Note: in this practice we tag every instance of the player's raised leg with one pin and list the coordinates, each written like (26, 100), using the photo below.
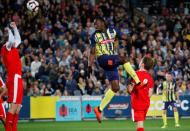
(127, 66)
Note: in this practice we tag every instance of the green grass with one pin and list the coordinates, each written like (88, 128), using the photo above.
(107, 125)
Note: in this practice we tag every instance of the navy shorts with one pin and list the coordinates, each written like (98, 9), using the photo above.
(172, 104)
(110, 63)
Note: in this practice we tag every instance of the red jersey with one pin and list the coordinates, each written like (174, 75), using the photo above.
(11, 60)
(140, 99)
(1, 84)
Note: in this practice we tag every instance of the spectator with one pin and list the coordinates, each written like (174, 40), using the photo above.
(71, 85)
(97, 90)
(35, 66)
(26, 62)
(187, 90)
(122, 85)
(58, 93)
(82, 86)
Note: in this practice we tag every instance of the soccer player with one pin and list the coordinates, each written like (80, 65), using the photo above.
(12, 62)
(3, 90)
(169, 90)
(140, 97)
(103, 46)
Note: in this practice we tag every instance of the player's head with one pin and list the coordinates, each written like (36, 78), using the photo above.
(146, 63)
(169, 77)
(99, 23)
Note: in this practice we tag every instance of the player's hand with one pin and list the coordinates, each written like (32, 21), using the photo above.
(130, 88)
(178, 101)
(13, 24)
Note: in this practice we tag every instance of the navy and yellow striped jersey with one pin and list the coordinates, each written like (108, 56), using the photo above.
(169, 90)
(104, 42)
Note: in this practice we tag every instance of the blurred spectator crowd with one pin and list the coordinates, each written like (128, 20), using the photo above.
(55, 45)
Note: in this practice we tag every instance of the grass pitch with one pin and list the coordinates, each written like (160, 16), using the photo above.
(107, 125)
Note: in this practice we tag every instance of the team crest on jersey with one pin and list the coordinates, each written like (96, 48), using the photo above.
(112, 35)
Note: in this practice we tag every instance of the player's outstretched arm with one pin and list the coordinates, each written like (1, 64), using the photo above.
(177, 95)
(10, 39)
(91, 61)
(17, 38)
(92, 56)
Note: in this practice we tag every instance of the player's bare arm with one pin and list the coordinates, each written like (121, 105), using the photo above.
(159, 90)
(92, 56)
(150, 92)
(3, 90)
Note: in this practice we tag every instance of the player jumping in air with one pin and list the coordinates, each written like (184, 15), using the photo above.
(140, 97)
(12, 62)
(103, 46)
(169, 90)
(3, 90)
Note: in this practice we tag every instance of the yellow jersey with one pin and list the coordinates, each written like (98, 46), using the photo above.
(169, 90)
(105, 42)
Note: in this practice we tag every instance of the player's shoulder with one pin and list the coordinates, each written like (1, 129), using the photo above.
(93, 35)
(144, 74)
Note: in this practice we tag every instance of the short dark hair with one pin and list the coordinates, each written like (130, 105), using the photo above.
(169, 73)
(148, 62)
(100, 19)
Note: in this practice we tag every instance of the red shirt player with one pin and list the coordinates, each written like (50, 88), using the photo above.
(140, 97)
(3, 90)
(12, 62)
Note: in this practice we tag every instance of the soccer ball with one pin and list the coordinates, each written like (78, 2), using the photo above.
(33, 5)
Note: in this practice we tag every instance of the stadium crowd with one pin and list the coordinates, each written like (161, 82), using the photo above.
(55, 45)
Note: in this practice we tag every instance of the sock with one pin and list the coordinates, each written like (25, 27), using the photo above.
(176, 115)
(164, 117)
(140, 129)
(130, 70)
(15, 119)
(9, 121)
(108, 96)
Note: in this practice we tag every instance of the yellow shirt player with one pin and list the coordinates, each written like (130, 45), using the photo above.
(169, 94)
(103, 46)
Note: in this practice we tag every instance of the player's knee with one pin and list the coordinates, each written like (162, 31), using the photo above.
(175, 109)
(122, 60)
(115, 89)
